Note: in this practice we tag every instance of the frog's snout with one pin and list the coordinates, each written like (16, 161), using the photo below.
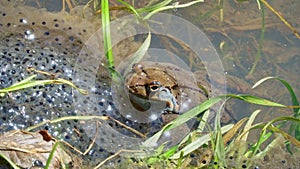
(162, 93)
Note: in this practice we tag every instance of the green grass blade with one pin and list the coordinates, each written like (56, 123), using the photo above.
(256, 100)
(51, 155)
(273, 144)
(15, 86)
(12, 164)
(154, 7)
(170, 152)
(106, 33)
(139, 54)
(127, 5)
(28, 82)
(24, 81)
(288, 87)
(282, 118)
(219, 151)
(203, 121)
(171, 7)
(195, 112)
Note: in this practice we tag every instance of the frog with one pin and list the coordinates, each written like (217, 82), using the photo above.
(161, 81)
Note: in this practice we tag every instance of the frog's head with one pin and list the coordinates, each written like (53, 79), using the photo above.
(153, 84)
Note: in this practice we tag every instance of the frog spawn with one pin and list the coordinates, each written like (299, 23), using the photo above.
(52, 43)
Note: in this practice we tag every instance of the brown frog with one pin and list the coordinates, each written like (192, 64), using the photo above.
(176, 87)
(167, 83)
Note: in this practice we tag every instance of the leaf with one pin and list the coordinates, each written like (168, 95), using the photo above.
(21, 147)
(248, 125)
(288, 87)
(219, 154)
(288, 137)
(183, 118)
(24, 81)
(229, 135)
(256, 100)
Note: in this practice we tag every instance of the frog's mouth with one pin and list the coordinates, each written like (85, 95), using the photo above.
(158, 97)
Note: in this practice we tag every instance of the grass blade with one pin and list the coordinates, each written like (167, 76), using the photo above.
(288, 137)
(171, 7)
(288, 87)
(130, 7)
(229, 135)
(139, 54)
(28, 82)
(248, 125)
(256, 100)
(12, 164)
(154, 7)
(51, 155)
(106, 33)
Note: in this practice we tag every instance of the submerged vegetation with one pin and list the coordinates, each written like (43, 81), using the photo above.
(222, 147)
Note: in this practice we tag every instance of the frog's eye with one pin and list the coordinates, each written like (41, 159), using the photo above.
(154, 86)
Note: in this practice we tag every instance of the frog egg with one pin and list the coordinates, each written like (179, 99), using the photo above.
(167, 134)
(153, 117)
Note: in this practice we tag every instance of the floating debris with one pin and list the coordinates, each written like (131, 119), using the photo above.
(32, 150)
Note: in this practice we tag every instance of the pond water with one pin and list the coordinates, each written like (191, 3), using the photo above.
(235, 33)
(237, 39)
